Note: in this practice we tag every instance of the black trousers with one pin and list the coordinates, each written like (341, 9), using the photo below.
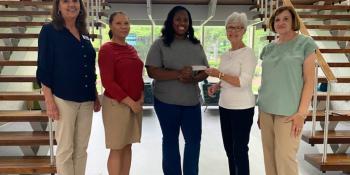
(235, 129)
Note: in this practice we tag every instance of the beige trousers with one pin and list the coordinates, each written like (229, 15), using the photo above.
(280, 148)
(72, 132)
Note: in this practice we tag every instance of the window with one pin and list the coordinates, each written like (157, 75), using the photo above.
(215, 44)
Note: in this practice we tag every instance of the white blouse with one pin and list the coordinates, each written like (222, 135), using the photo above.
(241, 63)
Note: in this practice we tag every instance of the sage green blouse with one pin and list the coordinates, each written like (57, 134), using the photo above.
(282, 75)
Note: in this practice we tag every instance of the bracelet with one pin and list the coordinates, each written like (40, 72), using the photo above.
(221, 75)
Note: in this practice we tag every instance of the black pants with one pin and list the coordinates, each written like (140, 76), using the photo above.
(235, 129)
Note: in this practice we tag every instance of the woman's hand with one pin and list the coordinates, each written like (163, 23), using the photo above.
(213, 72)
(136, 107)
(186, 72)
(51, 109)
(213, 88)
(297, 124)
(185, 75)
(97, 105)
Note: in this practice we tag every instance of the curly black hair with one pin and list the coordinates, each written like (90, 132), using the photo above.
(168, 33)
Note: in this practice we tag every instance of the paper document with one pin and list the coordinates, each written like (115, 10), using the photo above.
(198, 67)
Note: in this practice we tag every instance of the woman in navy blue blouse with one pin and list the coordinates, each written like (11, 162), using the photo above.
(66, 72)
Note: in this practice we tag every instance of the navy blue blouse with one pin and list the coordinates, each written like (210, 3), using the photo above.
(66, 65)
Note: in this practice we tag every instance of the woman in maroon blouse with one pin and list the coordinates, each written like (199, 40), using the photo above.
(121, 74)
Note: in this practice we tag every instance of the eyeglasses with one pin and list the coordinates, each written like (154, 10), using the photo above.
(232, 28)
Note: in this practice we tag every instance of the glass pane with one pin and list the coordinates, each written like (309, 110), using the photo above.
(215, 44)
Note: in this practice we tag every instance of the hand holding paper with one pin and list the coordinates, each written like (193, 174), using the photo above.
(213, 72)
(198, 67)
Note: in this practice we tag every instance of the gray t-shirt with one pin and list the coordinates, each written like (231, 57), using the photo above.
(180, 53)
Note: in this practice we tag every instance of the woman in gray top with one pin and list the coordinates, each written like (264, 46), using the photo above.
(176, 90)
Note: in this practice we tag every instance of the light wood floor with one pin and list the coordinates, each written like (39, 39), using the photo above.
(147, 155)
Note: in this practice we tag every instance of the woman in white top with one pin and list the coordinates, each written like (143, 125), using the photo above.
(236, 103)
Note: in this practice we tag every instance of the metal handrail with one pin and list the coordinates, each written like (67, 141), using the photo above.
(149, 14)
(314, 102)
(52, 161)
(265, 12)
(211, 15)
(326, 124)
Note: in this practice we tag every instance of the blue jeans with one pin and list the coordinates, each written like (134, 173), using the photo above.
(171, 119)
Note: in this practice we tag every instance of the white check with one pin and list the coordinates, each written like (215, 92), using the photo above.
(198, 67)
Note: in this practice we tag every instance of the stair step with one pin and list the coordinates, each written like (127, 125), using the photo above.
(319, 38)
(17, 78)
(329, 27)
(34, 3)
(19, 96)
(334, 137)
(340, 79)
(334, 96)
(323, 7)
(303, 2)
(23, 116)
(26, 3)
(17, 63)
(31, 35)
(24, 13)
(18, 35)
(338, 64)
(335, 162)
(335, 50)
(334, 116)
(4, 24)
(13, 13)
(24, 138)
(26, 165)
(9, 48)
(21, 24)
(316, 16)
(323, 27)
(25, 49)
(312, 7)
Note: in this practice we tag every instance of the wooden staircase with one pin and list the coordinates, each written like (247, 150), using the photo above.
(325, 27)
(326, 13)
(26, 165)
(29, 163)
(316, 38)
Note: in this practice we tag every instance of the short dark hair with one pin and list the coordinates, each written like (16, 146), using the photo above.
(295, 19)
(58, 21)
(168, 33)
(110, 20)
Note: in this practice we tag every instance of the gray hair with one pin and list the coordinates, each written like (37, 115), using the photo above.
(236, 17)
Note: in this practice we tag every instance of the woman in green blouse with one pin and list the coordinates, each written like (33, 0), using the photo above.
(285, 92)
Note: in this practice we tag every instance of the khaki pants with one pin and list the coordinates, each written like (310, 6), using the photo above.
(280, 148)
(72, 132)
